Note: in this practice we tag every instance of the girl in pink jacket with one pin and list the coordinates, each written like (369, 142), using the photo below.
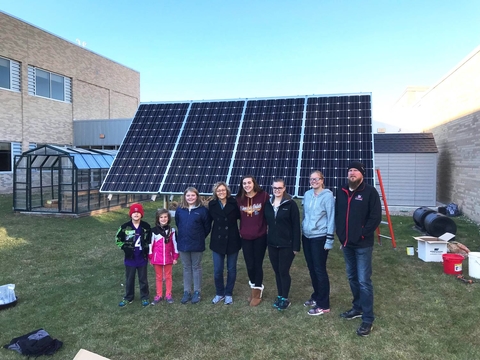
(163, 254)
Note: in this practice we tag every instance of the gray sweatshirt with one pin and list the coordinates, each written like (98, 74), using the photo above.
(319, 215)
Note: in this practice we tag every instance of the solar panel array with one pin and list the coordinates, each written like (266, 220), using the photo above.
(171, 146)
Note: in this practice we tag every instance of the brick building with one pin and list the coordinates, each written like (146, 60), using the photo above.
(46, 83)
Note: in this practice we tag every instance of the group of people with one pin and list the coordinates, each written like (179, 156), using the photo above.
(265, 221)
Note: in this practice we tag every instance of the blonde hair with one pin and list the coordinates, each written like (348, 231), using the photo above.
(320, 175)
(184, 201)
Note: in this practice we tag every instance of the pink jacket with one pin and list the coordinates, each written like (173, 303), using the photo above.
(161, 253)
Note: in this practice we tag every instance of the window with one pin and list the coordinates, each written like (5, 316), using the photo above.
(9, 74)
(46, 84)
(5, 156)
(8, 150)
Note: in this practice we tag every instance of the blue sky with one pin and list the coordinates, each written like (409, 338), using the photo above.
(220, 49)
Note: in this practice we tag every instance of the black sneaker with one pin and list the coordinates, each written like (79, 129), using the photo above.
(284, 304)
(196, 297)
(351, 314)
(277, 302)
(365, 329)
(185, 298)
(310, 303)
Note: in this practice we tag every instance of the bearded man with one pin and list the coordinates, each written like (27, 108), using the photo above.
(358, 213)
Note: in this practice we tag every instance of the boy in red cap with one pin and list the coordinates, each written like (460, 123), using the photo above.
(133, 238)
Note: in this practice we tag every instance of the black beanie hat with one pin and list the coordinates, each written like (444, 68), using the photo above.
(357, 165)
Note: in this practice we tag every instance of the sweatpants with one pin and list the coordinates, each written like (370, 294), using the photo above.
(192, 269)
(130, 282)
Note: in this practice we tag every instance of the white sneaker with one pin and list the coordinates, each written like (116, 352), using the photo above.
(217, 299)
(228, 300)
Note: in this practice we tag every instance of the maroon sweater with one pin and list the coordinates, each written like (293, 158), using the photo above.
(252, 220)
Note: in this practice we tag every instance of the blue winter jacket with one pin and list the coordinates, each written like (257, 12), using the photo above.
(193, 226)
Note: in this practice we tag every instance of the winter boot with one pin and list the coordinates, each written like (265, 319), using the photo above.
(257, 293)
(252, 285)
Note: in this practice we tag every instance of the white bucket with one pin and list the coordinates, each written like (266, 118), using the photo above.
(474, 264)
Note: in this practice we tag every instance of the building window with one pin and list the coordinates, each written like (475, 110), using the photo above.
(5, 157)
(9, 74)
(46, 84)
(8, 151)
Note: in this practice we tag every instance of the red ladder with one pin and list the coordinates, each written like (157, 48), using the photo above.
(387, 213)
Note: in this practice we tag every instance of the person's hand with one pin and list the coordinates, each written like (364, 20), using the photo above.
(295, 252)
(174, 262)
(328, 245)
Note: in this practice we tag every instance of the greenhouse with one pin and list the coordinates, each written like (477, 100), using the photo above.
(66, 180)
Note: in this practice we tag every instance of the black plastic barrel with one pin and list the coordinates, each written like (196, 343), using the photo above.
(419, 216)
(437, 224)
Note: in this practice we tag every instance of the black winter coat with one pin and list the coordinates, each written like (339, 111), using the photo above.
(126, 241)
(284, 229)
(357, 215)
(225, 238)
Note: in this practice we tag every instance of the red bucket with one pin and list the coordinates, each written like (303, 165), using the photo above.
(452, 264)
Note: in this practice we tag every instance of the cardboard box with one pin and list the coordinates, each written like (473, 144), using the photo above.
(431, 248)
(88, 355)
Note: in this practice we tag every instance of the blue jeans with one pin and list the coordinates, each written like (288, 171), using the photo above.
(316, 258)
(218, 266)
(358, 262)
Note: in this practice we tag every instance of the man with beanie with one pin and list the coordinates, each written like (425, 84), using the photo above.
(133, 238)
(358, 213)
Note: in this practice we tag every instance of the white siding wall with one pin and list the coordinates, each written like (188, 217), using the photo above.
(408, 179)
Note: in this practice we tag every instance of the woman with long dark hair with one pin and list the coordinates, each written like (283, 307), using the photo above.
(251, 200)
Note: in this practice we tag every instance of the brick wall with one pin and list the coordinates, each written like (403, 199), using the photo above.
(458, 181)
(451, 111)
(101, 88)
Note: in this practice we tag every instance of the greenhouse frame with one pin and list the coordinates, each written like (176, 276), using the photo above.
(66, 180)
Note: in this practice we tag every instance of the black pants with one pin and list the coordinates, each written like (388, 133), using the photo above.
(281, 259)
(254, 253)
(130, 282)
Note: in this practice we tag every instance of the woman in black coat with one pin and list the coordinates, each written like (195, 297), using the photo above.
(224, 241)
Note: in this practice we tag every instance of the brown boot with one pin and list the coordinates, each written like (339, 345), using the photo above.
(251, 296)
(252, 285)
(256, 296)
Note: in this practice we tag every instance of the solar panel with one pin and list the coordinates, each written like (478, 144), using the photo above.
(269, 142)
(145, 153)
(171, 146)
(205, 148)
(338, 130)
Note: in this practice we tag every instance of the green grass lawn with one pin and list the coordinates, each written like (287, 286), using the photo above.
(69, 275)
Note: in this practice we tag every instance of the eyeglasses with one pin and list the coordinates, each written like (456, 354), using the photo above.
(277, 188)
(315, 179)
